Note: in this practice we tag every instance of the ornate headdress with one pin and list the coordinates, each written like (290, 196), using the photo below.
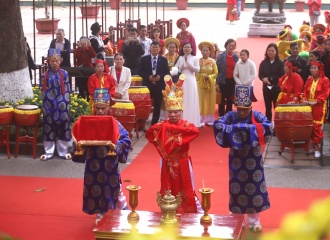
(173, 93)
(327, 16)
(320, 66)
(307, 34)
(305, 27)
(169, 40)
(243, 96)
(319, 26)
(54, 53)
(290, 65)
(283, 33)
(206, 44)
(181, 20)
(106, 67)
(287, 26)
(102, 96)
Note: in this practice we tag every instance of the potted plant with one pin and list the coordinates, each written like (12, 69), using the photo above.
(115, 4)
(299, 5)
(89, 10)
(181, 4)
(46, 25)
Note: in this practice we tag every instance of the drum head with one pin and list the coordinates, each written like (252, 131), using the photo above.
(3, 107)
(293, 105)
(122, 101)
(27, 107)
(132, 87)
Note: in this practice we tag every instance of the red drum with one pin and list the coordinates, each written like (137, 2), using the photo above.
(293, 125)
(140, 96)
(293, 122)
(136, 80)
(124, 112)
(6, 115)
(26, 115)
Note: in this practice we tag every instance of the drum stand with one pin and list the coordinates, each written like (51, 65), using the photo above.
(295, 144)
(4, 138)
(139, 124)
(27, 139)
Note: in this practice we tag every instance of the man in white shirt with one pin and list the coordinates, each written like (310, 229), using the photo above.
(146, 42)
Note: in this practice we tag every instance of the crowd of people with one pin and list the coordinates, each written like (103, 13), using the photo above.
(185, 87)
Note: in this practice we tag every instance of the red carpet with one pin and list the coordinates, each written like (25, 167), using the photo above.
(52, 214)
(56, 213)
(210, 164)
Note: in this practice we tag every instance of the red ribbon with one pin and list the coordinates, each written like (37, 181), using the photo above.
(259, 130)
(289, 64)
(61, 81)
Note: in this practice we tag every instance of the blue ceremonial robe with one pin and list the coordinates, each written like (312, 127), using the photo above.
(247, 185)
(56, 117)
(102, 180)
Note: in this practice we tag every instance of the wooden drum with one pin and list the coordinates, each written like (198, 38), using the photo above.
(140, 96)
(136, 80)
(6, 115)
(293, 122)
(124, 112)
(26, 115)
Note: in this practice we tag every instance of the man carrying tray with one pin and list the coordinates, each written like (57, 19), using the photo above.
(98, 136)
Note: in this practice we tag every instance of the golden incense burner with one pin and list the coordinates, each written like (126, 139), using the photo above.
(206, 204)
(168, 205)
(133, 202)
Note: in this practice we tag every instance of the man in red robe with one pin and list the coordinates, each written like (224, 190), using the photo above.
(171, 139)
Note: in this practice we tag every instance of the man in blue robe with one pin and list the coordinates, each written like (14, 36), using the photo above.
(102, 182)
(55, 88)
(244, 131)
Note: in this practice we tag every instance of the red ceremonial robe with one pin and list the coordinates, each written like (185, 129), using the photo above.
(291, 86)
(319, 110)
(172, 143)
(94, 82)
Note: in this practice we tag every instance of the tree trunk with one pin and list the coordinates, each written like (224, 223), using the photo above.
(14, 74)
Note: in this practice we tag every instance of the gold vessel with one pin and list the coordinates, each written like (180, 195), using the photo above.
(168, 205)
(133, 202)
(206, 204)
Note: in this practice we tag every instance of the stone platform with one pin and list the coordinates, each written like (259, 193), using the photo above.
(265, 29)
(269, 17)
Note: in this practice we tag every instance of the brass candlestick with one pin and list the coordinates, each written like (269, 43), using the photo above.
(206, 204)
(133, 201)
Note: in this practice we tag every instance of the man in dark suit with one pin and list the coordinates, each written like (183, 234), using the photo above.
(64, 45)
(133, 50)
(152, 69)
(302, 69)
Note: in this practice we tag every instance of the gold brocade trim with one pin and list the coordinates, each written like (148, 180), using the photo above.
(285, 94)
(7, 109)
(293, 109)
(27, 112)
(136, 79)
(123, 105)
(138, 90)
(318, 122)
(179, 155)
(323, 114)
